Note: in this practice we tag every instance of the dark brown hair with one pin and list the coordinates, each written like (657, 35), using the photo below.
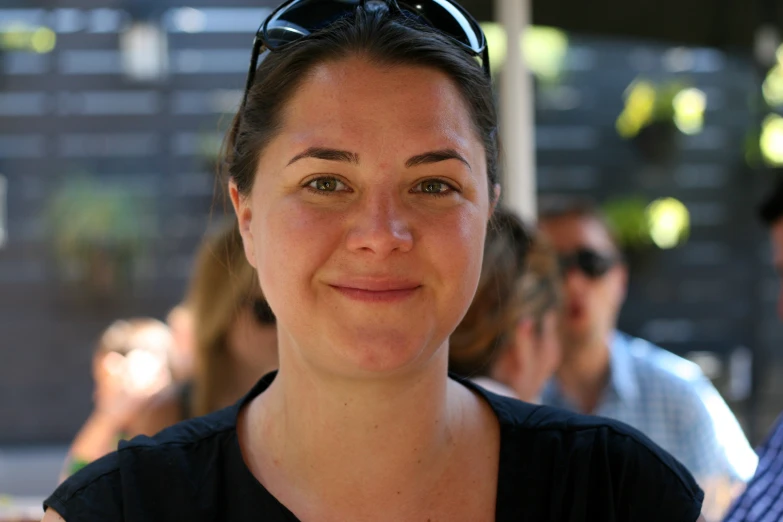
(555, 206)
(382, 38)
(520, 278)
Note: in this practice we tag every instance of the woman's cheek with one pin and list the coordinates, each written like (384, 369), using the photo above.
(299, 234)
(460, 250)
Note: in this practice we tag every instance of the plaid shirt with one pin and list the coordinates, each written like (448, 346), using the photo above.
(671, 401)
(763, 498)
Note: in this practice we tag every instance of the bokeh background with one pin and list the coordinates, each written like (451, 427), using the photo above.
(111, 115)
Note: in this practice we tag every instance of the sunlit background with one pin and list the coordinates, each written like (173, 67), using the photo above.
(111, 117)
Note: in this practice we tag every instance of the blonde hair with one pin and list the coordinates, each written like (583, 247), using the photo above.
(520, 278)
(222, 282)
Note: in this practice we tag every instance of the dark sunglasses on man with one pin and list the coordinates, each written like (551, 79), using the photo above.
(297, 19)
(589, 262)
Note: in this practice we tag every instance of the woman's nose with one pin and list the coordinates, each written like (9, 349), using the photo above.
(381, 227)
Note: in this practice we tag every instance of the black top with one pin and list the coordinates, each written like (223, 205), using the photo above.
(554, 466)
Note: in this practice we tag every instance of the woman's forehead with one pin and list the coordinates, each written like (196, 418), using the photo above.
(353, 97)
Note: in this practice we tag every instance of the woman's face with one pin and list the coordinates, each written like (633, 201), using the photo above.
(367, 217)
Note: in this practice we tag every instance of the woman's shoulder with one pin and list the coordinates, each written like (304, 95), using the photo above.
(521, 420)
(549, 425)
(92, 493)
(170, 466)
(552, 453)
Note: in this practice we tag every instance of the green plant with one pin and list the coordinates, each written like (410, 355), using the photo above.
(97, 231)
(647, 104)
(627, 217)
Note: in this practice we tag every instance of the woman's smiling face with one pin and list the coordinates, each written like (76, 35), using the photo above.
(367, 217)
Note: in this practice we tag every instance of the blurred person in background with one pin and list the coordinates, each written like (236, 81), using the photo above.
(508, 341)
(608, 373)
(762, 500)
(234, 336)
(131, 363)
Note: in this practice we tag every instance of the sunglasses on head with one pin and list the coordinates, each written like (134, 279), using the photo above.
(298, 19)
(591, 263)
(263, 315)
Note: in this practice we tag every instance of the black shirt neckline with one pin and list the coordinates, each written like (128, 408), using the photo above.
(553, 465)
(504, 416)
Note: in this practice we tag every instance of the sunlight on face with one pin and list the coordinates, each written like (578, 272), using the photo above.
(367, 217)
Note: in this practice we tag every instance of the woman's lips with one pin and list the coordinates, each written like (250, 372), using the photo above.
(377, 291)
(575, 311)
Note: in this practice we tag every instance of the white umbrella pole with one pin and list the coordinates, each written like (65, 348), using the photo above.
(517, 130)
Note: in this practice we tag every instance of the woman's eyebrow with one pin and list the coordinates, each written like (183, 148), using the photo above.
(328, 154)
(435, 156)
(324, 153)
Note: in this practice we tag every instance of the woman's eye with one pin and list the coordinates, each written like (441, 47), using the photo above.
(326, 185)
(434, 186)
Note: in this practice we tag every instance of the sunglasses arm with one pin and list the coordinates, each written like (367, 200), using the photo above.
(485, 61)
(258, 44)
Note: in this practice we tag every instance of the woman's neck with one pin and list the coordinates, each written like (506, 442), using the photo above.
(354, 440)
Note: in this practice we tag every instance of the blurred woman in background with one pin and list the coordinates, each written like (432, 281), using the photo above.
(508, 340)
(234, 336)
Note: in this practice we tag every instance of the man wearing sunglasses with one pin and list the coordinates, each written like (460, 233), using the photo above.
(762, 500)
(608, 373)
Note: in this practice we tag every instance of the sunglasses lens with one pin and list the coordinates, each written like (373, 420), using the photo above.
(589, 262)
(303, 18)
(593, 264)
(263, 313)
(451, 20)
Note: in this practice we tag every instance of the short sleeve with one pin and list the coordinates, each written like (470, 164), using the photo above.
(557, 465)
(649, 483)
(93, 494)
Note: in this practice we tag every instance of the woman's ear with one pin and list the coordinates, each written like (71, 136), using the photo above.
(494, 198)
(244, 215)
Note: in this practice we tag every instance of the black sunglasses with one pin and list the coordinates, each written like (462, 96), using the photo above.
(591, 263)
(262, 313)
(298, 19)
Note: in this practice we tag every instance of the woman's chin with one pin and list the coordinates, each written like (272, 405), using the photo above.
(383, 352)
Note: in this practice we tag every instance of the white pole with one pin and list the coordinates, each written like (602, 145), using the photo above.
(517, 129)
